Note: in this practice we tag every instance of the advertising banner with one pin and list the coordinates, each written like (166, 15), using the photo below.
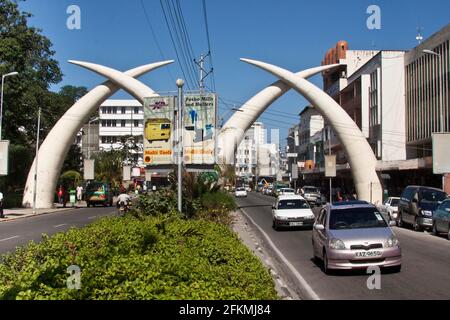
(158, 130)
(89, 167)
(199, 134)
(330, 166)
(441, 147)
(126, 173)
(4, 148)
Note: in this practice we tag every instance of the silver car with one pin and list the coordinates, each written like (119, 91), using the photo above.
(354, 235)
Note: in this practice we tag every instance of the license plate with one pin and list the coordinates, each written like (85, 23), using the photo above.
(295, 224)
(368, 254)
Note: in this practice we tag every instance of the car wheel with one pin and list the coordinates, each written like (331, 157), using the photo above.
(434, 231)
(274, 225)
(416, 225)
(448, 233)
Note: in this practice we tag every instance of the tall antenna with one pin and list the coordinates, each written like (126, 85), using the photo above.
(419, 37)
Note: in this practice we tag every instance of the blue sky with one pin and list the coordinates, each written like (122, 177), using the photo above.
(294, 34)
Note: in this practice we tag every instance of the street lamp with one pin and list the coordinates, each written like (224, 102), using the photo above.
(1, 99)
(180, 84)
(441, 95)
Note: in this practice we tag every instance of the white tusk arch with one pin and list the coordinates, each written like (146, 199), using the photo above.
(233, 131)
(53, 150)
(360, 155)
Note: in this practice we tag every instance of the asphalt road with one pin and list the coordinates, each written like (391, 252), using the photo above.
(19, 232)
(425, 270)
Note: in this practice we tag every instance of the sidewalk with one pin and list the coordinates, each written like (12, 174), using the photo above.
(19, 213)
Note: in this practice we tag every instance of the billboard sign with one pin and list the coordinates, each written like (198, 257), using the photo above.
(89, 165)
(330, 166)
(441, 147)
(4, 148)
(126, 173)
(158, 130)
(199, 131)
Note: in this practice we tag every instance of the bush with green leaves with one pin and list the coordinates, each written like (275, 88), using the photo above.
(163, 257)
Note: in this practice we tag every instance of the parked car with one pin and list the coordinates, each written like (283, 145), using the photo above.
(284, 191)
(269, 191)
(311, 194)
(240, 192)
(390, 208)
(417, 204)
(291, 211)
(354, 235)
(98, 193)
(441, 219)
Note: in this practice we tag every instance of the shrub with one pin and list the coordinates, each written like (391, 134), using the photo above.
(126, 258)
(218, 200)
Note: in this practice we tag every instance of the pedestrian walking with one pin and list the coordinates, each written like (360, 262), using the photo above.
(79, 193)
(1, 206)
(61, 195)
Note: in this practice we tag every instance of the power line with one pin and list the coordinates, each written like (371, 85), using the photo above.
(155, 39)
(205, 16)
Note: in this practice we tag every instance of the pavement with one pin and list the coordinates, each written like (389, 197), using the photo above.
(425, 265)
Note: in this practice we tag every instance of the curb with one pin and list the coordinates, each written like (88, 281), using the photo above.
(8, 219)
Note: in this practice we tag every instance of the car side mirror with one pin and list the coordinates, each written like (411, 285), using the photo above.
(319, 227)
(392, 223)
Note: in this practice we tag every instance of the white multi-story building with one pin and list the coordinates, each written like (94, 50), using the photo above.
(118, 119)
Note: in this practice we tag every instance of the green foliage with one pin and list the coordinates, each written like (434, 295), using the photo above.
(126, 258)
(218, 200)
(70, 179)
(108, 166)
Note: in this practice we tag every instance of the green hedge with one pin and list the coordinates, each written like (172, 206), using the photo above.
(127, 258)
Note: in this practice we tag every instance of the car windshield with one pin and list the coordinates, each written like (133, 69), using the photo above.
(394, 202)
(293, 204)
(94, 186)
(356, 218)
(310, 190)
(240, 189)
(433, 196)
(287, 190)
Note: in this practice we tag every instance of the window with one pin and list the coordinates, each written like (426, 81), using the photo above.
(109, 109)
(114, 110)
(103, 110)
(293, 204)
(103, 123)
(122, 123)
(373, 99)
(114, 123)
(103, 139)
(123, 110)
(136, 123)
(356, 218)
(136, 110)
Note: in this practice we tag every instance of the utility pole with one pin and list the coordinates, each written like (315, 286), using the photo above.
(37, 161)
(329, 153)
(180, 84)
(203, 73)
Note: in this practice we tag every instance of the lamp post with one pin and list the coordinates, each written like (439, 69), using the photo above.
(295, 161)
(1, 99)
(441, 98)
(180, 84)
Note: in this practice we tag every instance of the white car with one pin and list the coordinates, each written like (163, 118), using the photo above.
(240, 192)
(292, 211)
(390, 208)
(286, 191)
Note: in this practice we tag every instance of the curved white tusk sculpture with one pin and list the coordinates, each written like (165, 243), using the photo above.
(54, 149)
(233, 131)
(134, 87)
(360, 155)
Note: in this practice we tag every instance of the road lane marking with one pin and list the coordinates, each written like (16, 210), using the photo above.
(294, 271)
(10, 238)
(93, 217)
(60, 225)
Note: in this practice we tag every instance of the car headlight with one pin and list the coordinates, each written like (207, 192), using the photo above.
(392, 242)
(337, 244)
(311, 216)
(427, 213)
(281, 218)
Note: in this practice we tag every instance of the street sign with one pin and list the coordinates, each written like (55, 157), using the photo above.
(294, 171)
(4, 151)
(441, 147)
(89, 169)
(330, 166)
(292, 155)
(136, 172)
